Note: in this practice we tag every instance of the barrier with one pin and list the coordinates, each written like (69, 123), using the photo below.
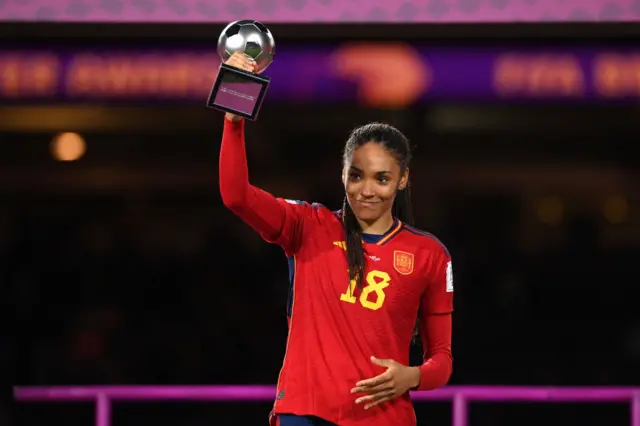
(459, 395)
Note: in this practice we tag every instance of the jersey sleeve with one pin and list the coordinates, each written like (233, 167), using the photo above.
(296, 223)
(438, 297)
(277, 220)
(435, 324)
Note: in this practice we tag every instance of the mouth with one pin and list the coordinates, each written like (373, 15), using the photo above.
(368, 204)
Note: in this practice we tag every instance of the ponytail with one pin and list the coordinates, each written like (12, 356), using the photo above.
(353, 232)
(353, 242)
(402, 208)
(397, 145)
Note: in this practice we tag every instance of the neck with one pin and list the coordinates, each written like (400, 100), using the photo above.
(378, 226)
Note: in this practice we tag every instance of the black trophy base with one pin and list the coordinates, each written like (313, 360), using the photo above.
(238, 91)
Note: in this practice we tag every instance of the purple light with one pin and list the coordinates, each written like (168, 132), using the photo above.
(459, 395)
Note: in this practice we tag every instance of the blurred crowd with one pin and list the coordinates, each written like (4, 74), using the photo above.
(174, 289)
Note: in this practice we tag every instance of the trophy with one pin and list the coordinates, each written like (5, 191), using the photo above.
(235, 90)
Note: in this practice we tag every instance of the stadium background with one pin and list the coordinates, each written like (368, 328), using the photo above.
(121, 266)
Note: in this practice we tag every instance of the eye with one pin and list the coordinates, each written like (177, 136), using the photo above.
(383, 179)
(354, 176)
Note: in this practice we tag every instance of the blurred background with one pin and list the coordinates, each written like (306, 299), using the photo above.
(120, 265)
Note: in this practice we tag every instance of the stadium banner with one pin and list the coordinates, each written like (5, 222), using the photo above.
(315, 11)
(373, 74)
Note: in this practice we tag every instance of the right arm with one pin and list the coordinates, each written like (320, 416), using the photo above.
(277, 220)
(259, 209)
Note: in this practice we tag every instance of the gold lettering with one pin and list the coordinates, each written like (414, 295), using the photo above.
(83, 75)
(120, 77)
(509, 75)
(205, 70)
(538, 75)
(176, 79)
(560, 75)
(152, 71)
(140, 75)
(43, 76)
(10, 76)
(28, 75)
(617, 75)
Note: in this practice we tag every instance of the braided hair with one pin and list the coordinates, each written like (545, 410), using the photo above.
(398, 146)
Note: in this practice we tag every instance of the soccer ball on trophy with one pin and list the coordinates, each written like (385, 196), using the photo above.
(250, 37)
(235, 90)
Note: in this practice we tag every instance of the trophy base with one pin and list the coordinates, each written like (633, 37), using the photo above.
(238, 91)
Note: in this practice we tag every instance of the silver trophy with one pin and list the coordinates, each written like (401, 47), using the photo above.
(235, 90)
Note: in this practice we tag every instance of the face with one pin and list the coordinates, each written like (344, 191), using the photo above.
(372, 178)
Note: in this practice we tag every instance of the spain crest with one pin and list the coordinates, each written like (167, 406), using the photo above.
(403, 262)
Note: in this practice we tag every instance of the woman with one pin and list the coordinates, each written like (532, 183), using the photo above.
(360, 278)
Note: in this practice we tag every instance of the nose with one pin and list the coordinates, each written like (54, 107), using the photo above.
(367, 190)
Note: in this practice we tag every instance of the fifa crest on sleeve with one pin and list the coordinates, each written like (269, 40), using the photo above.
(403, 262)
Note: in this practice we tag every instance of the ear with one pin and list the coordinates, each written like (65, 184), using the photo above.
(404, 180)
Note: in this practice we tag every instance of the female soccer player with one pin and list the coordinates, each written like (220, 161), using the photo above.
(360, 278)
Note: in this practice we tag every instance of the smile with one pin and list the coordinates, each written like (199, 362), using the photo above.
(368, 203)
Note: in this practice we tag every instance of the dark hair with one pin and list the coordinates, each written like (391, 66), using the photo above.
(397, 145)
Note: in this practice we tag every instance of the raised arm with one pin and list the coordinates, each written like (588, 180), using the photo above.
(259, 209)
(277, 220)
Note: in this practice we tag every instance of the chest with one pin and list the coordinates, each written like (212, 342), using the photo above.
(392, 285)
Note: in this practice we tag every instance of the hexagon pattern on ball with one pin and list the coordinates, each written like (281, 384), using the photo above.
(250, 37)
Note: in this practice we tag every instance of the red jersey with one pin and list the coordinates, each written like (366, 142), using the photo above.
(334, 326)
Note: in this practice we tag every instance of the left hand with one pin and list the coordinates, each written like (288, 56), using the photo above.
(394, 382)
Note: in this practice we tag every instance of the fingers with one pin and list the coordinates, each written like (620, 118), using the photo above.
(378, 402)
(384, 377)
(375, 397)
(379, 390)
(242, 61)
(382, 362)
(373, 389)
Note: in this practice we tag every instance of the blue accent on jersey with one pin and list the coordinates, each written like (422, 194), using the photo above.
(372, 238)
(416, 231)
(292, 274)
(293, 420)
(315, 206)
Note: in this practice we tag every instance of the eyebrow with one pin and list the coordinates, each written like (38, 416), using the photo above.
(381, 172)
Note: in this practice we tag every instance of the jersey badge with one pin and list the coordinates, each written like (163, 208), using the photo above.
(403, 262)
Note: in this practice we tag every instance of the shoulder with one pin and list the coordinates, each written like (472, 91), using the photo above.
(311, 208)
(426, 240)
(437, 266)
